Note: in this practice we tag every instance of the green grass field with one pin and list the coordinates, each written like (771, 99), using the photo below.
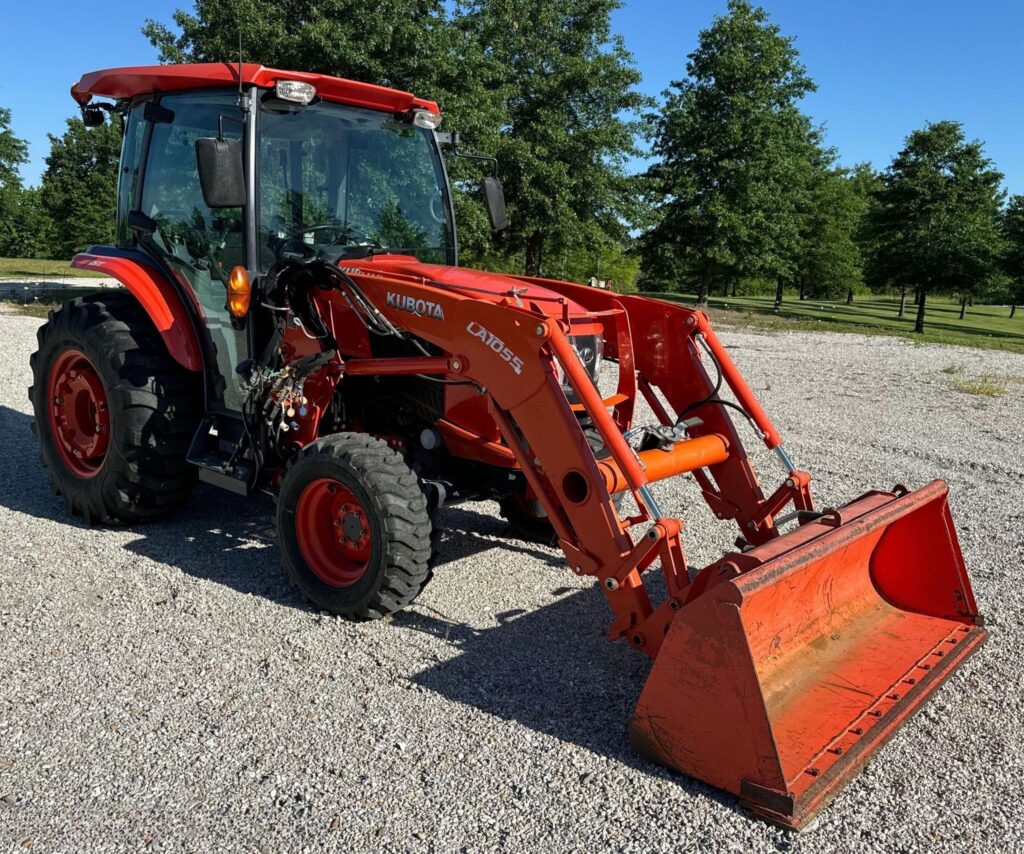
(42, 306)
(13, 268)
(985, 326)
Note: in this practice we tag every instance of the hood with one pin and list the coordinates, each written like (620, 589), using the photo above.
(470, 283)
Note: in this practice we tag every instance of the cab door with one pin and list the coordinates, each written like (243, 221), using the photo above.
(198, 244)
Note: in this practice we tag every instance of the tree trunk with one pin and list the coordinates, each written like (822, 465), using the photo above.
(802, 289)
(734, 289)
(919, 323)
(534, 253)
(963, 307)
(778, 294)
(917, 296)
(725, 290)
(705, 280)
(1013, 309)
(903, 301)
(849, 297)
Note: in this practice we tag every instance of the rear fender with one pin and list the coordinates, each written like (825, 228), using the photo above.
(157, 297)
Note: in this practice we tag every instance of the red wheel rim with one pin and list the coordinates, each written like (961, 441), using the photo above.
(333, 532)
(79, 415)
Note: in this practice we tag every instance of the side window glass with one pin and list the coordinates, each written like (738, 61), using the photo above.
(393, 193)
(128, 177)
(199, 244)
(187, 229)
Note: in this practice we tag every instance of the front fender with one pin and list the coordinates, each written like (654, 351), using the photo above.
(158, 299)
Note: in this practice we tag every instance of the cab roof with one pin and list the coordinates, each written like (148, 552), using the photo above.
(128, 82)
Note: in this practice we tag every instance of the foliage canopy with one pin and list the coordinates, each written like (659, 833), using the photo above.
(937, 221)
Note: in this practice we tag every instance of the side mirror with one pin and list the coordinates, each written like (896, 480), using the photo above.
(221, 175)
(494, 194)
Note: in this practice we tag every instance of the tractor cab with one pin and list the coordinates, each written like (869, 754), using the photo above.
(312, 177)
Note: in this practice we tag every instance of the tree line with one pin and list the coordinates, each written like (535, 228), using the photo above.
(742, 194)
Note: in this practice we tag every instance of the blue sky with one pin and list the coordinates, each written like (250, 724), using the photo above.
(882, 68)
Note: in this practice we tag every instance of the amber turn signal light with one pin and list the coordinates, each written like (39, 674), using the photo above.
(239, 292)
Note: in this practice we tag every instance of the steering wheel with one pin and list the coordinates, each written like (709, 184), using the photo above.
(340, 231)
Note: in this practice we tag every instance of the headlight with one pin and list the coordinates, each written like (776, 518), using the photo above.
(590, 349)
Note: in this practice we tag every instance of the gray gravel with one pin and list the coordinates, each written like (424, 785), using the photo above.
(163, 687)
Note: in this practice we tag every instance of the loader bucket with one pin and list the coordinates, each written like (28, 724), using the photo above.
(780, 682)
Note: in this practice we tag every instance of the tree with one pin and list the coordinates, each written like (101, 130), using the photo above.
(26, 230)
(1013, 259)
(830, 263)
(734, 153)
(390, 42)
(79, 186)
(611, 263)
(13, 152)
(567, 126)
(24, 227)
(937, 220)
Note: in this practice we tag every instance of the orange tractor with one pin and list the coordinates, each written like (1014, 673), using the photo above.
(294, 319)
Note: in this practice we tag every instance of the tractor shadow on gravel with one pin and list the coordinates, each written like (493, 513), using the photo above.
(217, 536)
(553, 670)
(550, 669)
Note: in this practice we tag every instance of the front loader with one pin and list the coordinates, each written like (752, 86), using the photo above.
(294, 320)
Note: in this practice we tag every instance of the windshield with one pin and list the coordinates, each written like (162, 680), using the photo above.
(339, 181)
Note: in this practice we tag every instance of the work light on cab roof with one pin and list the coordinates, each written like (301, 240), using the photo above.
(295, 91)
(426, 119)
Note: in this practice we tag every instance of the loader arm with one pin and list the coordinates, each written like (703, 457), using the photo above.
(514, 350)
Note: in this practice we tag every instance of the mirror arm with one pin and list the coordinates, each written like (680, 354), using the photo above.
(220, 124)
(492, 160)
(140, 223)
(452, 138)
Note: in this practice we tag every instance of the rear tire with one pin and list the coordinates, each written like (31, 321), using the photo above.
(353, 527)
(130, 466)
(525, 519)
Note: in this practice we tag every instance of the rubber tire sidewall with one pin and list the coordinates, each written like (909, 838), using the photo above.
(343, 600)
(93, 492)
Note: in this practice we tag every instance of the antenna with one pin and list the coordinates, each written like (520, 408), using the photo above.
(239, 61)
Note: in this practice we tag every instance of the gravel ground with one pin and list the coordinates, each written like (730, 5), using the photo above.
(163, 686)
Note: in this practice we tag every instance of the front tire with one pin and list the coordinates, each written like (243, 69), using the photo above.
(114, 413)
(353, 527)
